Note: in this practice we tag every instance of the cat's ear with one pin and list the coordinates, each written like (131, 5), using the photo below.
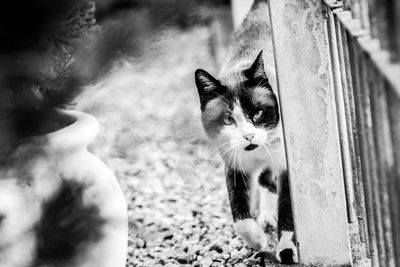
(205, 82)
(256, 71)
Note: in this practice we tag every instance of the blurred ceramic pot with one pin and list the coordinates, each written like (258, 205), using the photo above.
(59, 204)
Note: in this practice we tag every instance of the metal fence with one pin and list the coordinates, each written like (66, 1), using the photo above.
(338, 73)
(365, 53)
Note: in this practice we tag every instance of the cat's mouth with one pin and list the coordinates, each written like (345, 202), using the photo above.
(250, 147)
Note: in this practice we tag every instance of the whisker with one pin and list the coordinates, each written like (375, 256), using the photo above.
(270, 156)
(234, 173)
(245, 178)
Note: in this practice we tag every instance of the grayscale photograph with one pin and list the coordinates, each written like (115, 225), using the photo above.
(204, 133)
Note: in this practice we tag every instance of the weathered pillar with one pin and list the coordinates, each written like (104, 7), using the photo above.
(306, 92)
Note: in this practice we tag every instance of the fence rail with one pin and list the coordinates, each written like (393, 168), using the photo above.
(368, 50)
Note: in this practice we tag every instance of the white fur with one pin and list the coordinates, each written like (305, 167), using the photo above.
(231, 144)
(286, 243)
(268, 208)
(251, 233)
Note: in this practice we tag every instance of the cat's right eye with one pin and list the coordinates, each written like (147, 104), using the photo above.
(228, 120)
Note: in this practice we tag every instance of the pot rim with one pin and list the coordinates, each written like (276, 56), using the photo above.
(78, 134)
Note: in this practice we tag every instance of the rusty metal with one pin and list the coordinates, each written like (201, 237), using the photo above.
(363, 149)
(346, 22)
(367, 83)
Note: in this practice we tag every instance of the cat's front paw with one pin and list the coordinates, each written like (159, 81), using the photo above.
(252, 233)
(267, 220)
(286, 252)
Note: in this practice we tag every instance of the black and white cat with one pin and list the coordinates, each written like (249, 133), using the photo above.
(240, 114)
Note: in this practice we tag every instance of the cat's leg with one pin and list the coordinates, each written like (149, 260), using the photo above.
(286, 252)
(239, 186)
(255, 201)
(268, 200)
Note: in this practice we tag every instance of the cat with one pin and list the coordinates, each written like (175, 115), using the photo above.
(241, 116)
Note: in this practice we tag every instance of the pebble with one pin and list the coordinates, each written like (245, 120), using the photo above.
(140, 243)
(217, 247)
(236, 243)
(206, 262)
(182, 258)
(226, 256)
(251, 262)
(218, 257)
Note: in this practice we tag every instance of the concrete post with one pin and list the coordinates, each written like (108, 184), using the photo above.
(306, 92)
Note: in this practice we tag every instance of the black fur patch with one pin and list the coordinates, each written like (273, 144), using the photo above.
(267, 180)
(250, 147)
(285, 216)
(286, 256)
(270, 117)
(67, 226)
(210, 88)
(238, 190)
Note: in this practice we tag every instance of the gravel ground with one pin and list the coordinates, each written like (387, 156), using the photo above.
(151, 137)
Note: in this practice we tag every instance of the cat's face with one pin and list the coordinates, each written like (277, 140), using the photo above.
(240, 115)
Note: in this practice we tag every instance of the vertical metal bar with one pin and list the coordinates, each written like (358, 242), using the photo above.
(373, 18)
(355, 9)
(346, 85)
(363, 150)
(347, 4)
(393, 13)
(383, 30)
(342, 122)
(367, 82)
(390, 72)
(396, 30)
(353, 131)
(394, 182)
(310, 129)
(384, 155)
(364, 14)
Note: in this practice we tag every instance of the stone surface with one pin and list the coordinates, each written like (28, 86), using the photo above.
(311, 131)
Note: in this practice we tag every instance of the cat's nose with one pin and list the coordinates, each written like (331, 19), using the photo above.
(249, 137)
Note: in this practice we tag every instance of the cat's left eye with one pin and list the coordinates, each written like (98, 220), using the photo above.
(257, 115)
(228, 120)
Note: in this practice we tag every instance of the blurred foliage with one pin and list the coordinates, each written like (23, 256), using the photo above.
(49, 50)
(38, 48)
